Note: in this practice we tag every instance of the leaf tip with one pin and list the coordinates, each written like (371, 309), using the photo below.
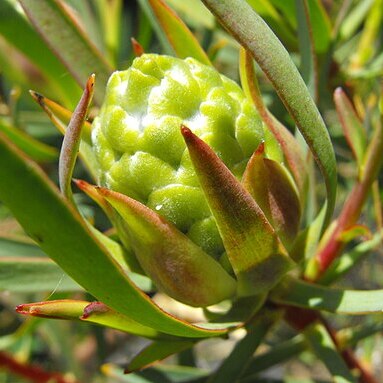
(94, 307)
(137, 47)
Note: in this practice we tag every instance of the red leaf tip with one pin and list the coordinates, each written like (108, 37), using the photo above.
(137, 47)
(94, 307)
(261, 148)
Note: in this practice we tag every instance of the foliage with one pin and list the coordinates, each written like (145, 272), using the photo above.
(271, 215)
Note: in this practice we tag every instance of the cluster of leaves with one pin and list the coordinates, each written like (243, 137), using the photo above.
(52, 46)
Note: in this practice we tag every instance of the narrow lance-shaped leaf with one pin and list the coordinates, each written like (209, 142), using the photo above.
(16, 29)
(353, 129)
(258, 258)
(155, 352)
(308, 66)
(232, 367)
(270, 185)
(30, 274)
(180, 37)
(349, 259)
(316, 297)
(60, 118)
(178, 266)
(68, 41)
(72, 139)
(324, 348)
(52, 108)
(92, 312)
(290, 147)
(253, 33)
(36, 150)
(62, 234)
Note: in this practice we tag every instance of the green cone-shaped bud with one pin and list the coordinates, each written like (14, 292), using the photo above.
(141, 151)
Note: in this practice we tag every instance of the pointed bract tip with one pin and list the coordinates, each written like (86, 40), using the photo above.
(90, 82)
(81, 184)
(21, 309)
(94, 307)
(338, 91)
(37, 96)
(261, 148)
(137, 47)
(186, 132)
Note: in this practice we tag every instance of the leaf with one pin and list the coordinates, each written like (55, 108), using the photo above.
(324, 348)
(72, 137)
(156, 351)
(20, 34)
(353, 128)
(33, 148)
(33, 274)
(68, 42)
(180, 37)
(258, 258)
(321, 26)
(278, 353)
(167, 373)
(277, 22)
(297, 293)
(177, 266)
(60, 117)
(273, 190)
(355, 19)
(343, 264)
(155, 24)
(292, 151)
(92, 312)
(62, 234)
(252, 32)
(232, 367)
(308, 65)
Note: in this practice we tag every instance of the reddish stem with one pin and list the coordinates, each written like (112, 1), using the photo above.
(300, 318)
(353, 206)
(33, 373)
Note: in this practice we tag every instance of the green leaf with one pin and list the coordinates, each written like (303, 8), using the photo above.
(353, 128)
(278, 353)
(33, 274)
(355, 18)
(62, 234)
(273, 190)
(19, 33)
(167, 373)
(292, 151)
(343, 264)
(68, 42)
(92, 312)
(180, 37)
(308, 66)
(33, 148)
(324, 348)
(276, 21)
(232, 367)
(60, 117)
(252, 32)
(72, 138)
(321, 26)
(176, 265)
(258, 257)
(316, 297)
(156, 351)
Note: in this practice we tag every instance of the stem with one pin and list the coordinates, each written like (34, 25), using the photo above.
(352, 207)
(300, 318)
(30, 372)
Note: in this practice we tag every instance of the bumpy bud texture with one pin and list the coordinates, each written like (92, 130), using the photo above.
(141, 151)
